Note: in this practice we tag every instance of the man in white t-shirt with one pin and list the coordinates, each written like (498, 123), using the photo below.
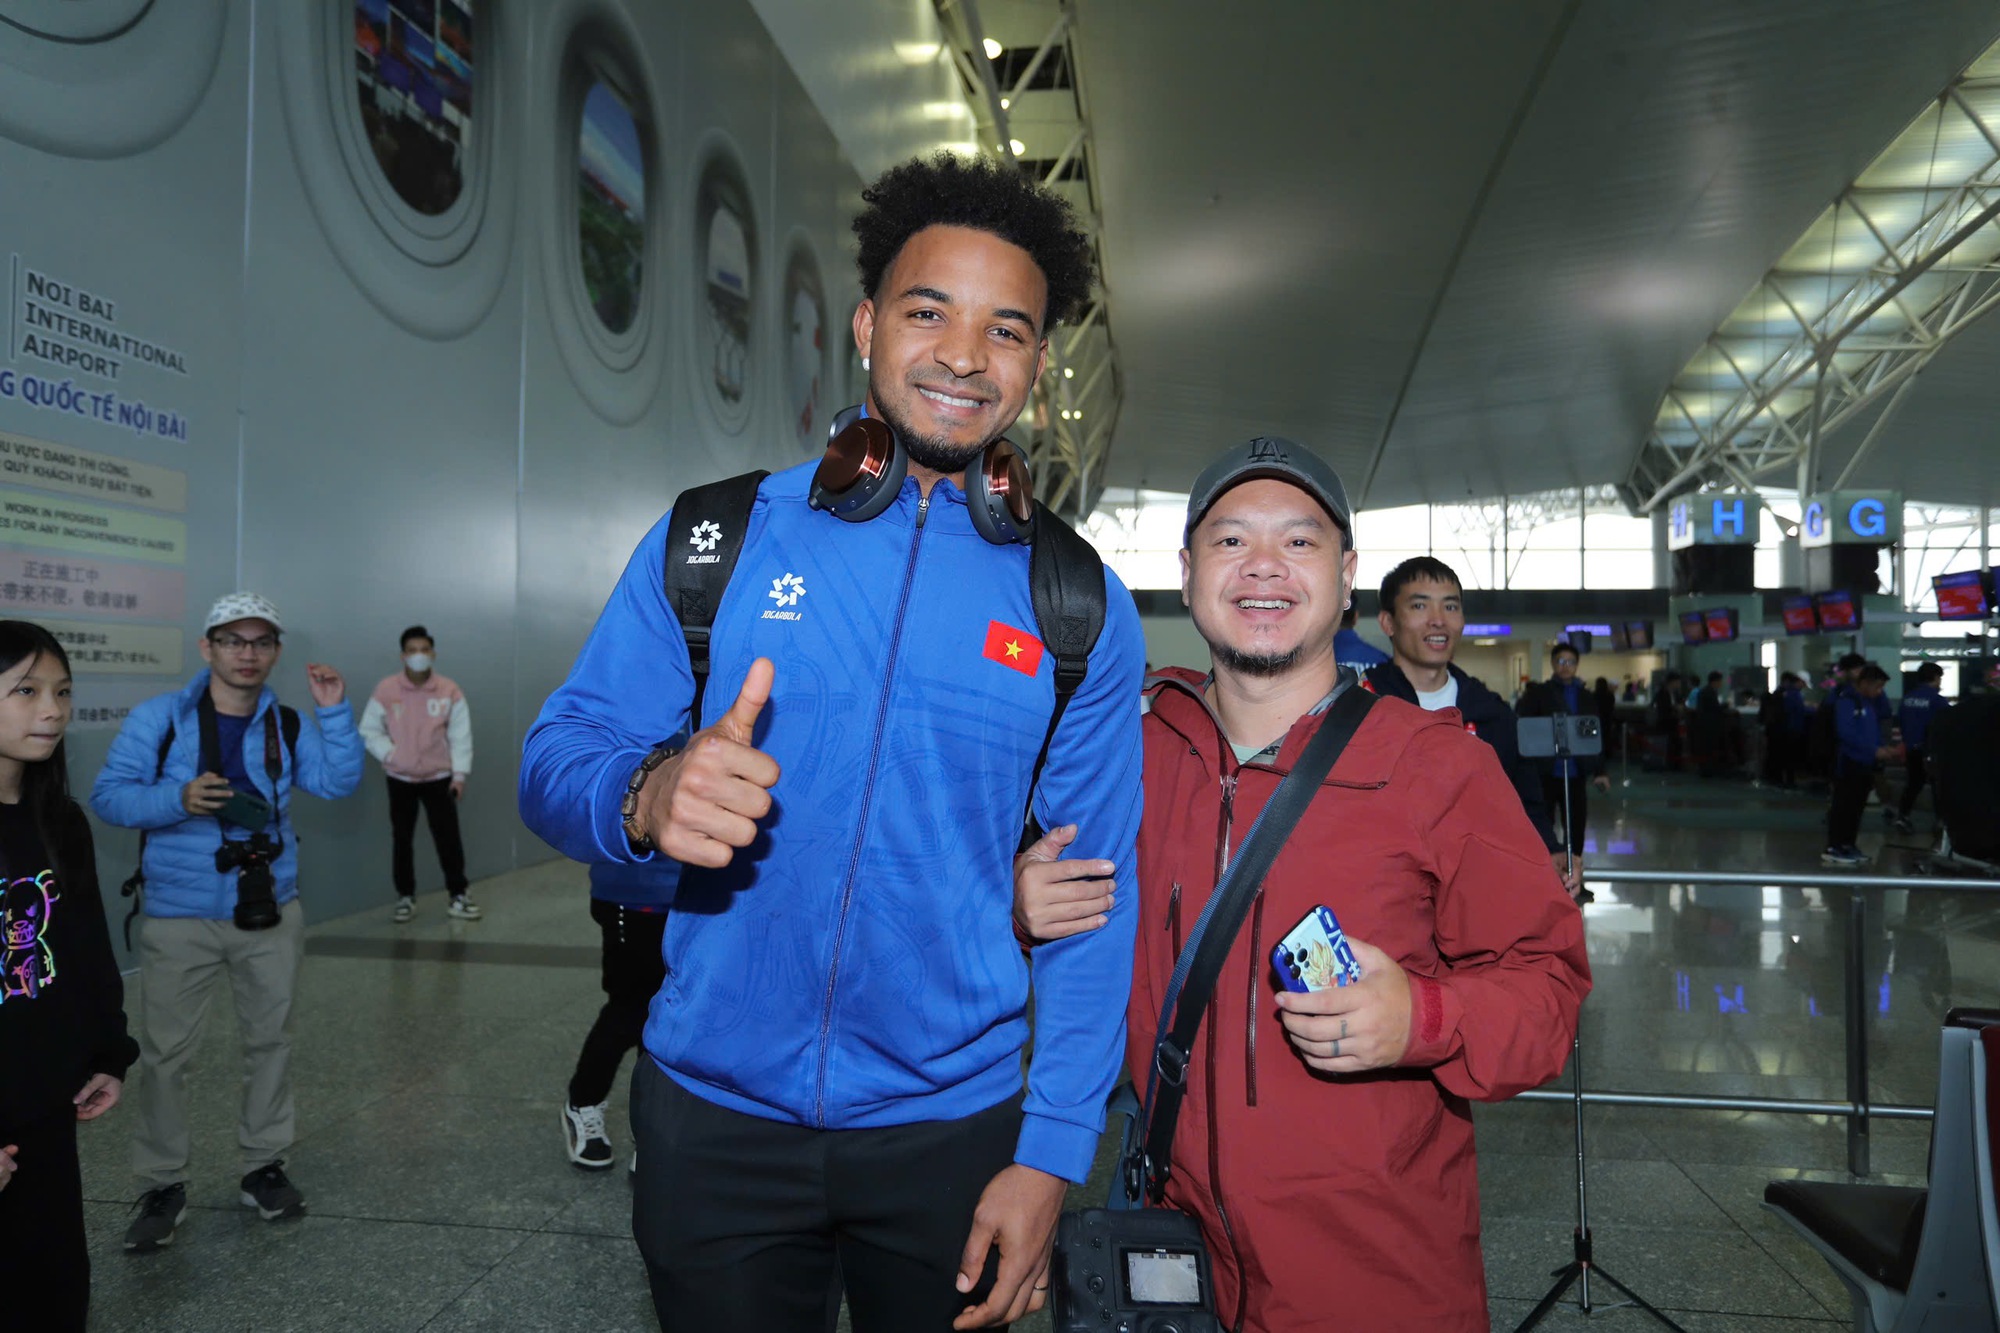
(1422, 611)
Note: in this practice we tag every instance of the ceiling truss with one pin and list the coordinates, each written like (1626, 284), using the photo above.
(1068, 427)
(1901, 262)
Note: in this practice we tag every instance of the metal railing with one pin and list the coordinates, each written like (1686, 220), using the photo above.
(1859, 1108)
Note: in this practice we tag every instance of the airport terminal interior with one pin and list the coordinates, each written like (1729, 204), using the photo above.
(1662, 325)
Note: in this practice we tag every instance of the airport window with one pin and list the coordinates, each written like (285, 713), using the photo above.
(805, 348)
(611, 206)
(1553, 540)
(1937, 539)
(726, 233)
(1617, 550)
(1384, 538)
(413, 71)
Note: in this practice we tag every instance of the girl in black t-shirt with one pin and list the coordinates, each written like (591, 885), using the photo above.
(63, 1044)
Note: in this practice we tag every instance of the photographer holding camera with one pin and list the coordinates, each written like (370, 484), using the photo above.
(1562, 693)
(206, 774)
(1324, 1142)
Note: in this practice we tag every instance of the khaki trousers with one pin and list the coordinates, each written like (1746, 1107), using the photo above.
(180, 961)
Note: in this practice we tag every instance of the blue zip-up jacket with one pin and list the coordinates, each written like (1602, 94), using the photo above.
(1921, 705)
(1858, 724)
(135, 791)
(857, 967)
(645, 886)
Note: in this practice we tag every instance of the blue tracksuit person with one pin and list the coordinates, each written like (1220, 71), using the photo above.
(1858, 756)
(832, 1089)
(1921, 705)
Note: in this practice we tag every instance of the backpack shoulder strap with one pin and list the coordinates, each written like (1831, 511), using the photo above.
(134, 886)
(1066, 582)
(704, 538)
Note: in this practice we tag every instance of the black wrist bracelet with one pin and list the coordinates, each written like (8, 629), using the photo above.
(628, 809)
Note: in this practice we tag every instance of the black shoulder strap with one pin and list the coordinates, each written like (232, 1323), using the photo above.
(274, 765)
(209, 735)
(134, 886)
(704, 538)
(1066, 581)
(1214, 934)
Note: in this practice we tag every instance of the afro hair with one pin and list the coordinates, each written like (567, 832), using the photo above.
(951, 191)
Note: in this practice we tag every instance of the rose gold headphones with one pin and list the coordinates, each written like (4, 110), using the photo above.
(866, 462)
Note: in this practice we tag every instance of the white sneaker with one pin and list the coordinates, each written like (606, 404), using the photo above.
(464, 909)
(584, 1135)
(405, 909)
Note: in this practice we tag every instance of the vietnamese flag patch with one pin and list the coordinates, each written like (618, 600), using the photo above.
(1012, 647)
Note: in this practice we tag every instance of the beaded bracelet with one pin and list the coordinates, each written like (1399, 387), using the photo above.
(629, 807)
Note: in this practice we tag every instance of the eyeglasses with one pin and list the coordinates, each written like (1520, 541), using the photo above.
(231, 643)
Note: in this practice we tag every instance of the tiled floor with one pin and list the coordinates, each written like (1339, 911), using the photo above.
(431, 1059)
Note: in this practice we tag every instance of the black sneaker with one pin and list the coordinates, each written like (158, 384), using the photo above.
(586, 1138)
(160, 1211)
(273, 1195)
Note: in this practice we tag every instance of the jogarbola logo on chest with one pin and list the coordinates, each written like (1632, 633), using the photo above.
(27, 962)
(786, 590)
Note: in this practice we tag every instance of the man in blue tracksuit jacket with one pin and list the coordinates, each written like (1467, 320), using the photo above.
(186, 769)
(1922, 702)
(835, 1074)
(1858, 755)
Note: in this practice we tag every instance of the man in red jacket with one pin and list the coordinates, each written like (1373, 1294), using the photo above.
(1325, 1143)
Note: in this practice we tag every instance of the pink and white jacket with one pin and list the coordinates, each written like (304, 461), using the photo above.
(419, 733)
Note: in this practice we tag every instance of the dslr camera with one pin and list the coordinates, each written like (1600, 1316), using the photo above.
(251, 858)
(1139, 1270)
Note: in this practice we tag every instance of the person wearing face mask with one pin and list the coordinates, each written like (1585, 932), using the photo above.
(418, 728)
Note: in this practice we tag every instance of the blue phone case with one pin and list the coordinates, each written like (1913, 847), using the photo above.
(1315, 954)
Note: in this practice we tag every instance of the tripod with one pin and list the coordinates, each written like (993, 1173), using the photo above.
(1582, 1262)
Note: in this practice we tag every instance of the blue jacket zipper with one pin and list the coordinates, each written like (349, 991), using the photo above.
(861, 817)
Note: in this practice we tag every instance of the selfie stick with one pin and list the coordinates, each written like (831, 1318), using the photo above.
(1581, 1264)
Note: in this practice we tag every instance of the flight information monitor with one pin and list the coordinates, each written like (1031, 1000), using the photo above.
(1963, 595)
(1838, 610)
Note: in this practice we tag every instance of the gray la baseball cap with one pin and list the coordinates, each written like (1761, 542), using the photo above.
(1274, 457)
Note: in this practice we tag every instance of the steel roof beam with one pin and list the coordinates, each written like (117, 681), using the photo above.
(1065, 460)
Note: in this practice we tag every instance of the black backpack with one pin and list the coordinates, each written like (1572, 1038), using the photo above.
(1065, 579)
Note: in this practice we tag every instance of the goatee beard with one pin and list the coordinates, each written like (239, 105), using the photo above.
(1256, 664)
(935, 452)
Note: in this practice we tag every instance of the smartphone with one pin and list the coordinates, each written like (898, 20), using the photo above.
(245, 811)
(1315, 954)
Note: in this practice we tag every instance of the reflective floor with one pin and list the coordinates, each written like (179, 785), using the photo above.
(431, 1061)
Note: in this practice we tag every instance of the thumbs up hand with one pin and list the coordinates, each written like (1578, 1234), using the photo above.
(704, 803)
